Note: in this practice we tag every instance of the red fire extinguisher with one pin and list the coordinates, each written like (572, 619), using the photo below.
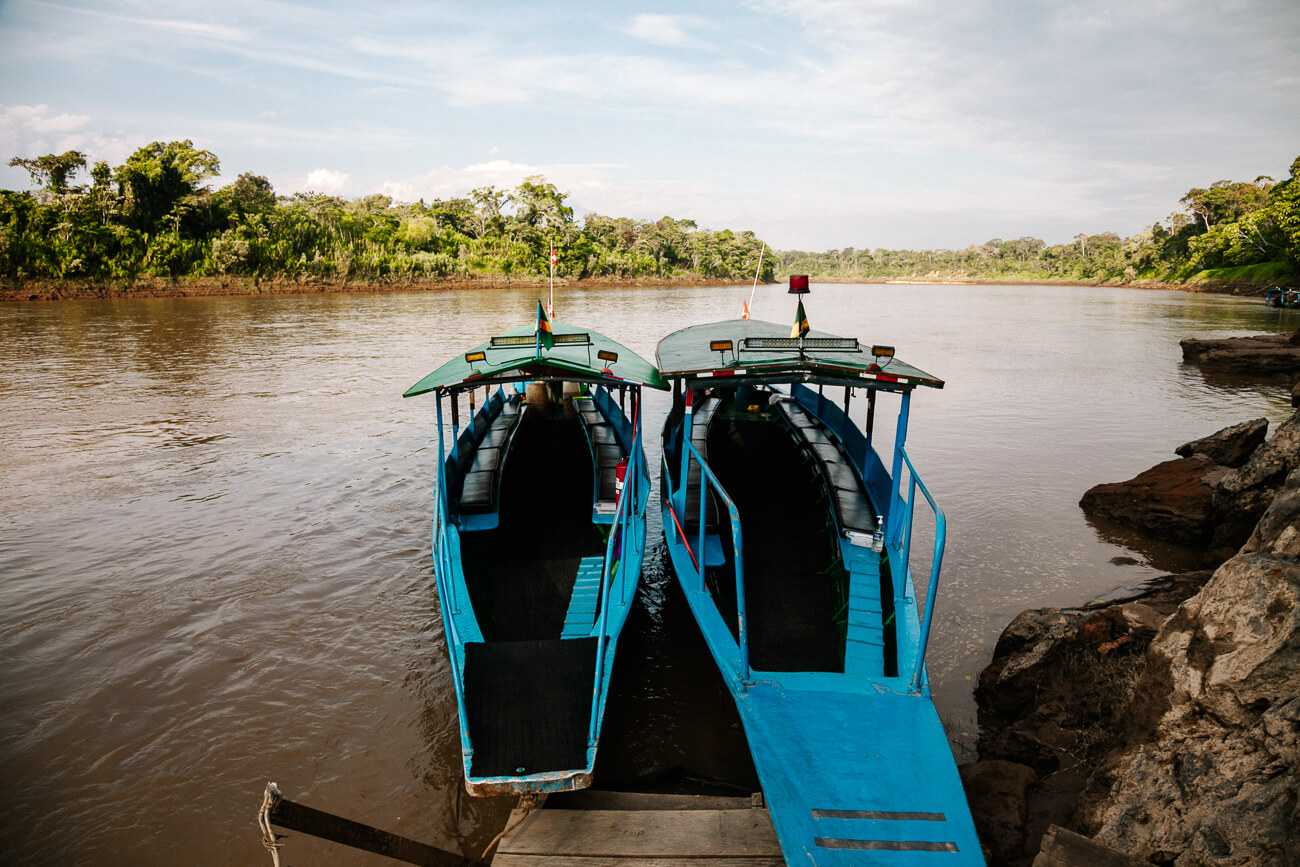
(620, 473)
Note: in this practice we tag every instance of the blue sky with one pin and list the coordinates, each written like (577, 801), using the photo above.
(817, 124)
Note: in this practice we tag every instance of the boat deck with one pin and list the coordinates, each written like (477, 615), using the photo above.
(521, 574)
(789, 594)
(528, 691)
(529, 704)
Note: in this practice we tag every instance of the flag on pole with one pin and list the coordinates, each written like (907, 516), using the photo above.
(555, 260)
(745, 313)
(800, 328)
(544, 335)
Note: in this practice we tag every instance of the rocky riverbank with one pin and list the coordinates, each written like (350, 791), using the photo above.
(1161, 726)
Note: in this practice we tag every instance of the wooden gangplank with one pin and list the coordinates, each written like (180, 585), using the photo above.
(596, 829)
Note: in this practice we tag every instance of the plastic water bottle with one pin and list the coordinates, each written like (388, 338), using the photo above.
(878, 537)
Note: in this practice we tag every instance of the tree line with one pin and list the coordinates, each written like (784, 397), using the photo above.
(1231, 230)
(154, 216)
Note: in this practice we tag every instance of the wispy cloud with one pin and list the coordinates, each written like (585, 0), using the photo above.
(771, 113)
(663, 29)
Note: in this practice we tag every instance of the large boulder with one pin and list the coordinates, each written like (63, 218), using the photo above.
(1058, 681)
(1210, 499)
(1173, 501)
(1262, 354)
(1278, 530)
(1242, 494)
(1209, 772)
(1231, 446)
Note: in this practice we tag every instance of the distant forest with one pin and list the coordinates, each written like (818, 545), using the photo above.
(1231, 232)
(154, 216)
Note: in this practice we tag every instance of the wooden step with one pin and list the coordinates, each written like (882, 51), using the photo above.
(642, 830)
(583, 604)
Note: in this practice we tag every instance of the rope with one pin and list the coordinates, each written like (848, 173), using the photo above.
(269, 798)
(527, 803)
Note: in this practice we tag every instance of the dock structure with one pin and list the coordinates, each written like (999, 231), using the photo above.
(596, 829)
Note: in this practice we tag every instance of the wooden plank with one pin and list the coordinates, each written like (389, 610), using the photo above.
(599, 799)
(336, 829)
(587, 861)
(644, 834)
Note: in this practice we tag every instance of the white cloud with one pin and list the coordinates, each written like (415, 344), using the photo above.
(326, 181)
(35, 130)
(662, 29)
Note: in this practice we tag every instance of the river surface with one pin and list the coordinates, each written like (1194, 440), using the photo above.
(214, 566)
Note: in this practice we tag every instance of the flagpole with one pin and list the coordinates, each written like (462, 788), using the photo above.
(749, 307)
(550, 299)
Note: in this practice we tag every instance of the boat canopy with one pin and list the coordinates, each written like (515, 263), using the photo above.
(749, 349)
(519, 354)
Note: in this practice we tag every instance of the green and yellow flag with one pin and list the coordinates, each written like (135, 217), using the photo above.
(544, 335)
(800, 328)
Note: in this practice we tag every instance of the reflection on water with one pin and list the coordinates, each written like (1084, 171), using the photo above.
(216, 526)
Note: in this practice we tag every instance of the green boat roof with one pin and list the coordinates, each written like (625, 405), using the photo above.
(750, 349)
(578, 354)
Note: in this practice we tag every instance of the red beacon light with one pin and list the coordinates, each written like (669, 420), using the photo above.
(798, 284)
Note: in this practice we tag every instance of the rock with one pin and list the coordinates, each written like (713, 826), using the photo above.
(1231, 446)
(1064, 848)
(1172, 501)
(1278, 530)
(1209, 771)
(1050, 700)
(1295, 394)
(1262, 354)
(1243, 494)
(998, 794)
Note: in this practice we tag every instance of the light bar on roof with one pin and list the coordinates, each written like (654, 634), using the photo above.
(833, 344)
(581, 337)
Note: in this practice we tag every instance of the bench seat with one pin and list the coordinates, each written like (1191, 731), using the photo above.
(481, 453)
(606, 452)
(853, 509)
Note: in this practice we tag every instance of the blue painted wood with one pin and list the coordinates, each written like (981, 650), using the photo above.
(585, 601)
(591, 621)
(849, 760)
(855, 764)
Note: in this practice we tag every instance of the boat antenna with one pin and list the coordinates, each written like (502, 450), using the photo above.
(757, 271)
(550, 299)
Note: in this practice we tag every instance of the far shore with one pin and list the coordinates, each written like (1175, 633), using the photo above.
(161, 287)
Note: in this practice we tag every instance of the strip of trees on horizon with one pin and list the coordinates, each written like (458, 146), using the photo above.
(155, 216)
(1247, 230)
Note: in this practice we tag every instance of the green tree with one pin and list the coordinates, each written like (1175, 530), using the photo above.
(52, 172)
(159, 182)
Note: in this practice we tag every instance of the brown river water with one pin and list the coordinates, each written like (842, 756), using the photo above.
(214, 533)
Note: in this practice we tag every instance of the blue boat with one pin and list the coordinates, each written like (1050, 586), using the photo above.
(792, 541)
(1278, 296)
(538, 538)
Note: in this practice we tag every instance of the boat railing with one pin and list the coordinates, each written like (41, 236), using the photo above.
(709, 481)
(447, 591)
(630, 499)
(904, 543)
